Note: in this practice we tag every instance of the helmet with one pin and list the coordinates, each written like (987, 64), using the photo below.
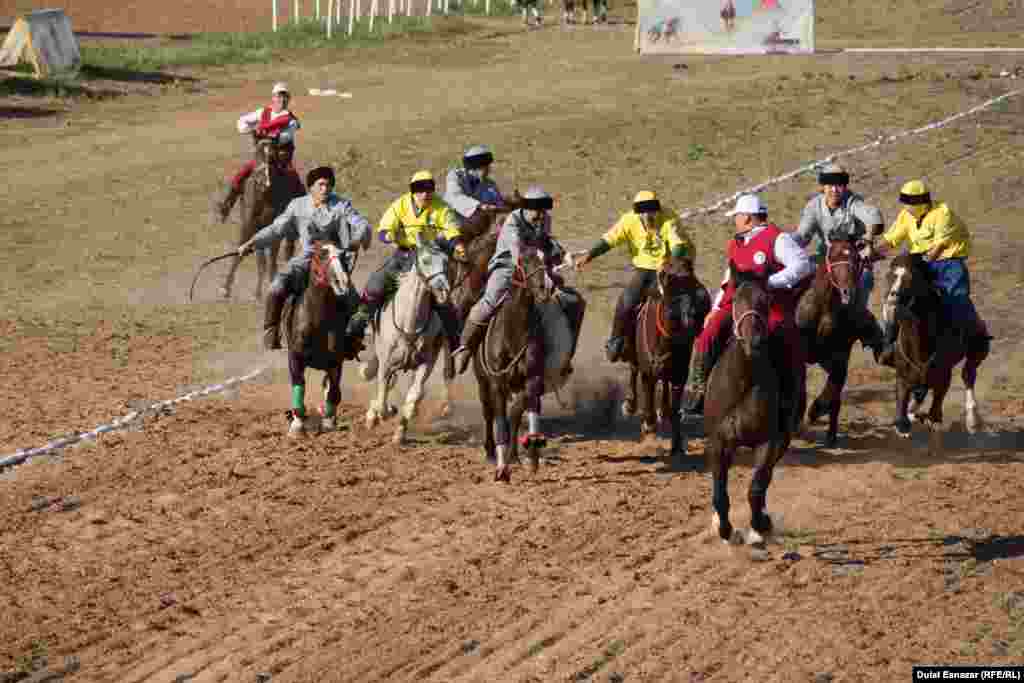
(537, 199)
(833, 174)
(477, 156)
(646, 201)
(422, 181)
(915, 192)
(280, 88)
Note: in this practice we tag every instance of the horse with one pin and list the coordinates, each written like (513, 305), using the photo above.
(926, 351)
(728, 15)
(746, 406)
(314, 325)
(667, 324)
(266, 193)
(408, 337)
(528, 340)
(823, 317)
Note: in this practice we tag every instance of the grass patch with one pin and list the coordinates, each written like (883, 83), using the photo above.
(219, 49)
(909, 473)
(539, 646)
(27, 86)
(34, 660)
(613, 650)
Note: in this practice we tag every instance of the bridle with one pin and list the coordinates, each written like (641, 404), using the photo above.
(851, 262)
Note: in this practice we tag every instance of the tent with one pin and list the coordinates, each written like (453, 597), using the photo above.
(43, 39)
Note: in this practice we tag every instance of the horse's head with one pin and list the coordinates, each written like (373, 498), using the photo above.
(684, 299)
(844, 267)
(531, 273)
(906, 280)
(750, 308)
(432, 268)
(327, 269)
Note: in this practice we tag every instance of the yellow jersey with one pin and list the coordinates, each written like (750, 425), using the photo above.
(402, 222)
(938, 226)
(650, 248)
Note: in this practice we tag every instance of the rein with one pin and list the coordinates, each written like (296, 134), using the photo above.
(830, 266)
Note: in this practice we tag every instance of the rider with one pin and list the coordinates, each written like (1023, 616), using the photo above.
(653, 234)
(838, 213)
(762, 248)
(274, 121)
(943, 240)
(525, 228)
(320, 215)
(470, 189)
(417, 213)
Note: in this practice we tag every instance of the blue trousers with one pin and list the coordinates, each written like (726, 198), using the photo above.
(951, 277)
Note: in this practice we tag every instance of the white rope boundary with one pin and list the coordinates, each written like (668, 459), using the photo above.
(21, 456)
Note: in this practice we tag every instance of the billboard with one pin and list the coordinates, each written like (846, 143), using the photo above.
(725, 26)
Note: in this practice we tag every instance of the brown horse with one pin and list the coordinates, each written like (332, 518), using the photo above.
(667, 325)
(265, 195)
(570, 10)
(927, 350)
(314, 325)
(747, 405)
(514, 365)
(728, 15)
(826, 319)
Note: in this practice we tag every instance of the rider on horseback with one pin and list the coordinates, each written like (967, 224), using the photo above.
(943, 240)
(416, 214)
(525, 228)
(653, 234)
(320, 215)
(837, 213)
(274, 122)
(470, 189)
(760, 248)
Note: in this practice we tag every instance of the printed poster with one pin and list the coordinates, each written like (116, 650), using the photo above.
(725, 26)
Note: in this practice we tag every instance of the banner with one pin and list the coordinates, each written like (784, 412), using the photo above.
(725, 26)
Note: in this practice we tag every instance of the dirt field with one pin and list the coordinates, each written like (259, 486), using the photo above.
(205, 544)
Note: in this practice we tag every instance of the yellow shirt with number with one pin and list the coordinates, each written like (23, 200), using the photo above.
(402, 222)
(939, 226)
(650, 248)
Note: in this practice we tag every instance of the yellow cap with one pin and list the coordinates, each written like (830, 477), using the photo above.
(644, 196)
(914, 188)
(422, 175)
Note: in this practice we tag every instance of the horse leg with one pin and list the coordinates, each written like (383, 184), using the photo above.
(768, 454)
(503, 469)
(719, 460)
(446, 407)
(649, 423)
(629, 405)
(487, 407)
(934, 417)
(378, 405)
(837, 373)
(515, 422)
(297, 372)
(969, 374)
(413, 397)
(328, 422)
(679, 445)
(902, 401)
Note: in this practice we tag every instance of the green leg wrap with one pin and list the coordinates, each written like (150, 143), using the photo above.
(330, 409)
(299, 399)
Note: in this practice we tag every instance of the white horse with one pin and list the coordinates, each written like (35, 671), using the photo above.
(408, 337)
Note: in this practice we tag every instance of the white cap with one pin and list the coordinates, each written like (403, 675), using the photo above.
(280, 87)
(748, 204)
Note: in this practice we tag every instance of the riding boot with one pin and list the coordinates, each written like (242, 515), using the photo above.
(617, 342)
(356, 329)
(696, 387)
(472, 335)
(978, 339)
(225, 205)
(888, 353)
(276, 298)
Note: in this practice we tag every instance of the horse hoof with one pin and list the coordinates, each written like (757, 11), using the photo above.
(628, 408)
(751, 537)
(503, 474)
(831, 440)
(296, 428)
(328, 424)
(903, 428)
(225, 293)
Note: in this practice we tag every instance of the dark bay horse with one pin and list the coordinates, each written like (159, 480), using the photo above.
(746, 405)
(315, 332)
(265, 195)
(513, 365)
(826, 318)
(667, 325)
(927, 349)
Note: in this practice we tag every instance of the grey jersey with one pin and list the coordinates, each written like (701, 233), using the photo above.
(851, 220)
(518, 234)
(336, 221)
(464, 192)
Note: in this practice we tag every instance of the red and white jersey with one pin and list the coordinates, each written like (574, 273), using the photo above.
(265, 122)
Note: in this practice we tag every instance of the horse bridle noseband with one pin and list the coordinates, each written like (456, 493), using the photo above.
(830, 265)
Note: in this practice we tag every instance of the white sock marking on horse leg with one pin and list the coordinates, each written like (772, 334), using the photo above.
(533, 422)
(972, 418)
